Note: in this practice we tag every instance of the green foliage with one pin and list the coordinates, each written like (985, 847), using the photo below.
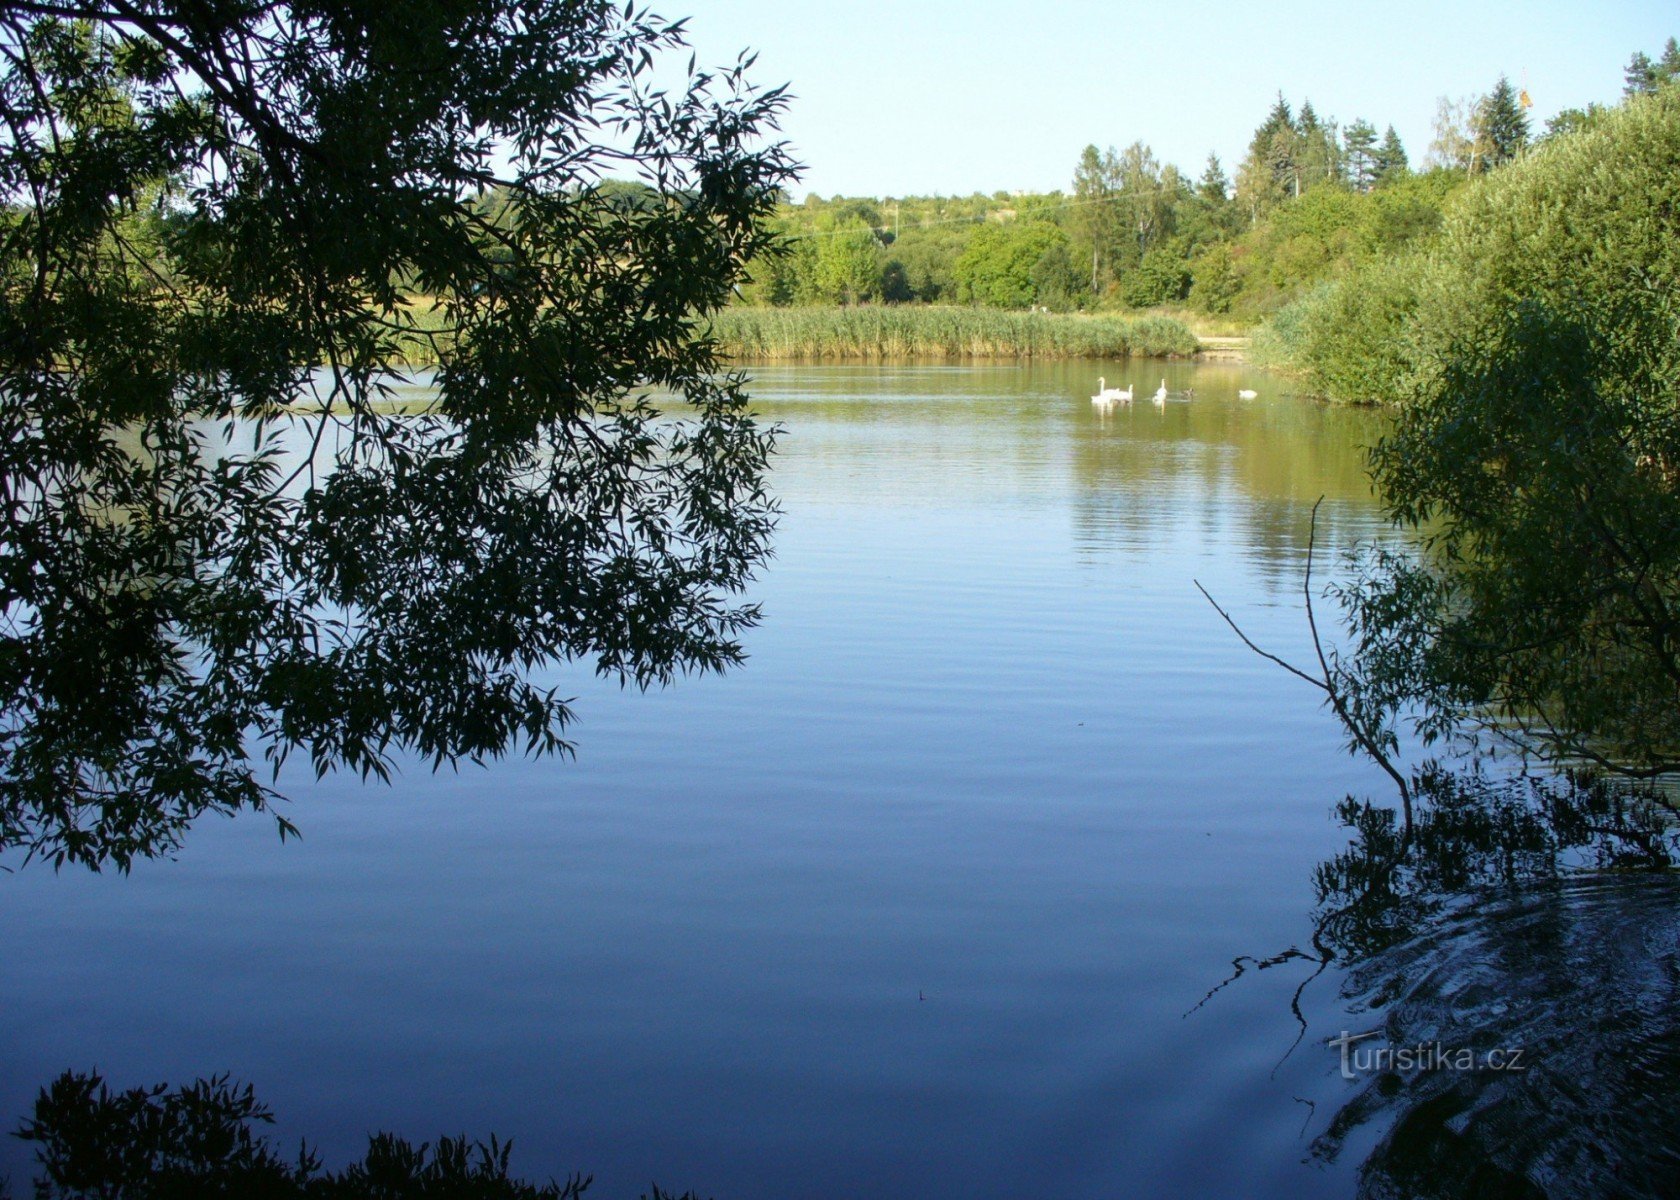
(891, 331)
(1320, 151)
(1215, 282)
(926, 257)
(1147, 196)
(1095, 217)
(1329, 234)
(1213, 187)
(1348, 340)
(1054, 276)
(1359, 151)
(1267, 176)
(1573, 120)
(1640, 76)
(1644, 77)
(1537, 445)
(1004, 266)
(1391, 162)
(1501, 129)
(775, 276)
(846, 268)
(1163, 277)
(1406, 210)
(221, 544)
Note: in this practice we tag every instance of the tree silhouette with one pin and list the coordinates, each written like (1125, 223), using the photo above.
(222, 538)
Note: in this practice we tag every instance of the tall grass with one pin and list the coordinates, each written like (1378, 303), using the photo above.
(914, 331)
(1214, 325)
(427, 332)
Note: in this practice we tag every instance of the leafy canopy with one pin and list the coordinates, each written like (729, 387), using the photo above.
(1534, 355)
(222, 539)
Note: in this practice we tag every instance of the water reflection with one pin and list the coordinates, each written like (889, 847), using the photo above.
(990, 748)
(1515, 956)
(1133, 478)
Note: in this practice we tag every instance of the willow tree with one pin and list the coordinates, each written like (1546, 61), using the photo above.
(1535, 451)
(221, 541)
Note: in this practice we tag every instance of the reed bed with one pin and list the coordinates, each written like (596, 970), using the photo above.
(915, 331)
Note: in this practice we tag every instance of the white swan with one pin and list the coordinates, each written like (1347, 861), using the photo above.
(1245, 394)
(1108, 395)
(1161, 393)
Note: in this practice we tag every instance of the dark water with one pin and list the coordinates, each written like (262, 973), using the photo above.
(914, 904)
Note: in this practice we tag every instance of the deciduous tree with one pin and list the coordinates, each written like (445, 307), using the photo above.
(1537, 452)
(1005, 264)
(847, 266)
(1096, 218)
(221, 540)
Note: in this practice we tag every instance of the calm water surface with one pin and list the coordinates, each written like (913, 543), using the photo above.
(916, 903)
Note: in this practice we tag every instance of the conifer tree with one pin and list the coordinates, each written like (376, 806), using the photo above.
(1390, 160)
(1667, 69)
(1213, 186)
(1640, 76)
(1501, 128)
(1271, 172)
(1359, 144)
(1319, 156)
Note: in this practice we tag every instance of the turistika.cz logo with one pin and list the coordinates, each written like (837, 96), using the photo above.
(1360, 1060)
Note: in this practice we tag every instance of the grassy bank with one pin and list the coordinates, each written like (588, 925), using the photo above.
(916, 331)
(1203, 325)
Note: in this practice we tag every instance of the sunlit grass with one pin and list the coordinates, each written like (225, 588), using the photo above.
(1205, 325)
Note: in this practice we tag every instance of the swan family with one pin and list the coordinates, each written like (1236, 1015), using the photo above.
(1108, 395)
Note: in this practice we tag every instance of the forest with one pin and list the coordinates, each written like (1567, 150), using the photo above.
(1312, 201)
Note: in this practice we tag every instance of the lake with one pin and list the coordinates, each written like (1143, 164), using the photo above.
(924, 900)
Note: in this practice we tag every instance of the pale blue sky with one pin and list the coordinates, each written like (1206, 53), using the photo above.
(917, 98)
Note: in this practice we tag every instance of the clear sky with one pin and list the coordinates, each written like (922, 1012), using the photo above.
(933, 96)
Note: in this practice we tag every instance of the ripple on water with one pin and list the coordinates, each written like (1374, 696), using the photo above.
(1583, 977)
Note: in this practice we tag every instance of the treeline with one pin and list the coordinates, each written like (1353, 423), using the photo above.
(1595, 192)
(1311, 201)
(1529, 360)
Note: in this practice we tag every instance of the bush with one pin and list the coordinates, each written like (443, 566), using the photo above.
(199, 1142)
(1350, 341)
(1537, 444)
